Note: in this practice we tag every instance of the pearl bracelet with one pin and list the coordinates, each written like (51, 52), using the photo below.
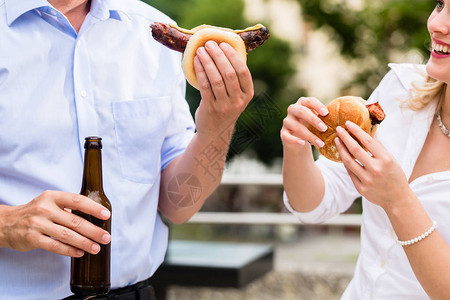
(419, 238)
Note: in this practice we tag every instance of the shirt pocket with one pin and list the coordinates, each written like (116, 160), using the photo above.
(140, 127)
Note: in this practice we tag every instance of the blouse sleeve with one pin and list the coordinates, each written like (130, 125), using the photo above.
(339, 193)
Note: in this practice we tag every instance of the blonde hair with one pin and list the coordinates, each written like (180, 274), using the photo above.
(424, 93)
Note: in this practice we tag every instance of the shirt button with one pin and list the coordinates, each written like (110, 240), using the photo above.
(53, 12)
(430, 179)
(83, 93)
(382, 263)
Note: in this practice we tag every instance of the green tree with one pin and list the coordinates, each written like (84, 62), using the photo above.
(370, 35)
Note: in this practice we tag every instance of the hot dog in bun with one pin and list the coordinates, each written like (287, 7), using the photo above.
(341, 110)
(188, 41)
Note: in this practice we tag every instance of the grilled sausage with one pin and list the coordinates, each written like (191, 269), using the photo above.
(176, 38)
(376, 113)
(170, 36)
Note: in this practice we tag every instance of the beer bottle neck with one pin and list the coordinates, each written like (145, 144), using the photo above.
(92, 173)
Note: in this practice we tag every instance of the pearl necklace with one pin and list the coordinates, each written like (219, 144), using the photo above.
(441, 125)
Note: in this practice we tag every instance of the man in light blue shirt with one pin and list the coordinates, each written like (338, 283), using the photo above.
(76, 68)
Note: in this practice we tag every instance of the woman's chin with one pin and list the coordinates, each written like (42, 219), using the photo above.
(437, 70)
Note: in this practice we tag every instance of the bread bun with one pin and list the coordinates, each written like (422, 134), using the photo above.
(203, 34)
(341, 110)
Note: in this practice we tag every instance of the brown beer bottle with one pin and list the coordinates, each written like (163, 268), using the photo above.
(90, 274)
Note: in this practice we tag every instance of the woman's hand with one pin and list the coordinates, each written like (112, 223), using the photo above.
(376, 175)
(226, 87)
(47, 223)
(300, 115)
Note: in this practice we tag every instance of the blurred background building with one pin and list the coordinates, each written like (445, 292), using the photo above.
(319, 48)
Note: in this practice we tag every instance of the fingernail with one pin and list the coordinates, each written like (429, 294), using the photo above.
(105, 213)
(224, 46)
(320, 143)
(211, 45)
(301, 142)
(201, 51)
(323, 127)
(349, 124)
(95, 248)
(339, 129)
(324, 111)
(80, 253)
(106, 238)
(337, 141)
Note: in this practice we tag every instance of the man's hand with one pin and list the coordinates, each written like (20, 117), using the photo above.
(226, 88)
(47, 223)
(225, 85)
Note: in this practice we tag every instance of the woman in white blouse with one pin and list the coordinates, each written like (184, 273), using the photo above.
(405, 183)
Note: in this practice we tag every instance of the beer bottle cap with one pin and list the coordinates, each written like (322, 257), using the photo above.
(93, 142)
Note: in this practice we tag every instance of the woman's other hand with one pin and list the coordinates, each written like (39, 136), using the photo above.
(375, 173)
(300, 115)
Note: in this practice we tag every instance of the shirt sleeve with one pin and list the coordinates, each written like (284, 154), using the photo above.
(181, 128)
(339, 193)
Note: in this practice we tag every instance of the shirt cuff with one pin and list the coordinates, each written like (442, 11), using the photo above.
(315, 216)
(181, 142)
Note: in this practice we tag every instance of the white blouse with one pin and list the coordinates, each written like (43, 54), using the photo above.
(383, 270)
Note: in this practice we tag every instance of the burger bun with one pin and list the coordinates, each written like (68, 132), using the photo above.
(203, 34)
(341, 110)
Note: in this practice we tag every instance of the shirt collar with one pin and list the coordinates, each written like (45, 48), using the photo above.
(101, 9)
(15, 9)
(104, 9)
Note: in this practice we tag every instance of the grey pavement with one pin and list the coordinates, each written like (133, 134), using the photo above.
(315, 267)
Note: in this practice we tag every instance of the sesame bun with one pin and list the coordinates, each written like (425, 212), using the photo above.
(203, 34)
(341, 110)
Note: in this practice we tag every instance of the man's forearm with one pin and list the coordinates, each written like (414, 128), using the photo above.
(190, 178)
(3, 242)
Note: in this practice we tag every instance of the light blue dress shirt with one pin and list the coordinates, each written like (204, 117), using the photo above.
(57, 87)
